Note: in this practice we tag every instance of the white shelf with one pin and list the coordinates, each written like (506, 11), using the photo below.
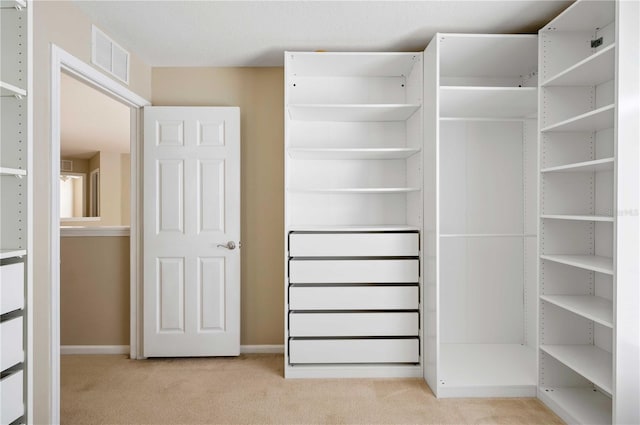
(6, 171)
(594, 70)
(479, 102)
(368, 190)
(7, 89)
(9, 253)
(584, 16)
(352, 112)
(13, 4)
(581, 405)
(488, 370)
(347, 64)
(588, 262)
(596, 120)
(598, 309)
(604, 164)
(578, 217)
(358, 228)
(351, 153)
(594, 363)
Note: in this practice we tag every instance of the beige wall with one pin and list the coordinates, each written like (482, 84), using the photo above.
(62, 23)
(94, 290)
(259, 94)
(113, 190)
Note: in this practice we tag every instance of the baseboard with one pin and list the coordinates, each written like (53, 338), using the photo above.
(94, 349)
(262, 349)
(124, 349)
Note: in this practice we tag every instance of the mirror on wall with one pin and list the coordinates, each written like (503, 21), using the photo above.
(72, 195)
(94, 152)
(80, 188)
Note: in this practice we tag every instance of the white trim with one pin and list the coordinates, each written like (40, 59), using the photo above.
(261, 349)
(353, 371)
(124, 349)
(93, 349)
(488, 391)
(61, 60)
(81, 231)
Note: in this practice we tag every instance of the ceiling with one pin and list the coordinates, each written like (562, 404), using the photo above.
(91, 121)
(255, 33)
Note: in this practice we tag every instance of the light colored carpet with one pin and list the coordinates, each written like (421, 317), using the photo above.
(251, 389)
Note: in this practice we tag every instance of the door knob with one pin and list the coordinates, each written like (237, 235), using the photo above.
(228, 245)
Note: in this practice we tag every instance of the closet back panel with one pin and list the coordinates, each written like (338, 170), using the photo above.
(481, 174)
(476, 56)
(556, 375)
(530, 302)
(348, 173)
(482, 298)
(566, 148)
(314, 134)
(13, 43)
(346, 210)
(13, 233)
(560, 50)
(347, 90)
(13, 133)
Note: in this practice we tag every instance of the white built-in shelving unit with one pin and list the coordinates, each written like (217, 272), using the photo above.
(15, 217)
(353, 214)
(583, 375)
(480, 189)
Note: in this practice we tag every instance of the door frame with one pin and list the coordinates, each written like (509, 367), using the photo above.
(64, 61)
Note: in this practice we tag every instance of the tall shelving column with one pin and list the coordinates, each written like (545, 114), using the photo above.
(353, 214)
(480, 228)
(580, 105)
(15, 214)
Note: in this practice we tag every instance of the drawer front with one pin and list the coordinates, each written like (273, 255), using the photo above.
(11, 352)
(11, 287)
(353, 271)
(353, 244)
(353, 298)
(11, 403)
(353, 351)
(353, 324)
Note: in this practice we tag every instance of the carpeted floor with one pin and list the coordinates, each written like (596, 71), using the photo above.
(251, 389)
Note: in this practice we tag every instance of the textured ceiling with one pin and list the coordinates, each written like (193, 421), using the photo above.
(255, 33)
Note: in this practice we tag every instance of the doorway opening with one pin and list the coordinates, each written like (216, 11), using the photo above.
(95, 147)
(63, 62)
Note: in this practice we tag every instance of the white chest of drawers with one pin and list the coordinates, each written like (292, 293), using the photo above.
(353, 299)
(12, 354)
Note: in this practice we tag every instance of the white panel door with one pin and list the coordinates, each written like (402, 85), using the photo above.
(191, 231)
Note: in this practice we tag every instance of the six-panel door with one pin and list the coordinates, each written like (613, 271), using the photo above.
(191, 212)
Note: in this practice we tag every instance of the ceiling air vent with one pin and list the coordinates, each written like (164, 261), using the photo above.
(108, 55)
(66, 165)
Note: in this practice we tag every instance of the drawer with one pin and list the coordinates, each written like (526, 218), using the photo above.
(353, 271)
(353, 244)
(11, 287)
(11, 398)
(353, 298)
(353, 324)
(11, 351)
(306, 351)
